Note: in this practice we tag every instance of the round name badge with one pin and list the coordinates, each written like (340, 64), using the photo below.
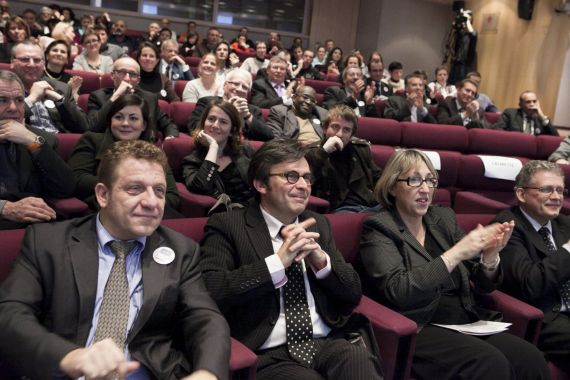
(385, 89)
(428, 101)
(163, 93)
(537, 131)
(316, 121)
(49, 103)
(163, 255)
(175, 76)
(360, 103)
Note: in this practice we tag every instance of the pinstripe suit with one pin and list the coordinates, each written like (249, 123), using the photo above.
(234, 247)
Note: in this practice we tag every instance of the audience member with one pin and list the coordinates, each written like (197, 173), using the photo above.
(274, 89)
(562, 154)
(165, 24)
(464, 109)
(296, 55)
(485, 101)
(302, 120)
(191, 27)
(213, 37)
(334, 65)
(164, 35)
(376, 57)
(189, 47)
(320, 60)
(50, 105)
(128, 119)
(354, 94)
(172, 64)
(528, 118)
(118, 37)
(151, 78)
(152, 35)
(307, 70)
(90, 59)
(126, 79)
(30, 17)
(56, 57)
(224, 60)
(274, 45)
(218, 165)
(536, 261)
(15, 31)
(236, 88)
(31, 169)
(86, 22)
(439, 89)
(208, 82)
(241, 45)
(123, 294)
(108, 49)
(396, 80)
(413, 107)
(342, 165)
(243, 32)
(375, 75)
(275, 261)
(61, 31)
(254, 64)
(417, 261)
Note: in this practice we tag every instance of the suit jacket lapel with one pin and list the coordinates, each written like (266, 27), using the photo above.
(533, 236)
(83, 251)
(408, 237)
(257, 231)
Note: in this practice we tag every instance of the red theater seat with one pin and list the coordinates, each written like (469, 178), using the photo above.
(434, 136)
(321, 85)
(380, 131)
(179, 87)
(501, 143)
(91, 81)
(546, 145)
(180, 112)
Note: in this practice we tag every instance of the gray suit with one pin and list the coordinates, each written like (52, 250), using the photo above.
(283, 121)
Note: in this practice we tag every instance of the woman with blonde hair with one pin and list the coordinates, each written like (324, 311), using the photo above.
(208, 82)
(90, 58)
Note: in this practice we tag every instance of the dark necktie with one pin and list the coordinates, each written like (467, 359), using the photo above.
(297, 317)
(565, 288)
(114, 313)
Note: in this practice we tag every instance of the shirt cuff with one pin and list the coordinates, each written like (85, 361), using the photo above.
(287, 101)
(2, 204)
(276, 270)
(185, 68)
(320, 274)
(566, 247)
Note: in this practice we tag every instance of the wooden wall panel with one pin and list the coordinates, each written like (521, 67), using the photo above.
(522, 54)
(336, 19)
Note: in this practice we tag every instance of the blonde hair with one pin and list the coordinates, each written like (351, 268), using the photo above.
(59, 29)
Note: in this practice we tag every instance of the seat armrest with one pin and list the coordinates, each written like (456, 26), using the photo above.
(193, 205)
(242, 359)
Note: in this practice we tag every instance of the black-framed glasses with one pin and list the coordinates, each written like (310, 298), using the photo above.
(123, 73)
(416, 181)
(293, 177)
(548, 190)
(34, 60)
(308, 99)
(238, 85)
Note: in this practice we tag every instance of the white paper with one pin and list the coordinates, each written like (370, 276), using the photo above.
(501, 167)
(434, 158)
(479, 327)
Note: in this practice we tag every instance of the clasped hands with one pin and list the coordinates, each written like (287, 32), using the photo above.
(298, 244)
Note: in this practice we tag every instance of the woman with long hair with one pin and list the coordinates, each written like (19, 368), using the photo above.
(151, 78)
(90, 58)
(224, 59)
(16, 30)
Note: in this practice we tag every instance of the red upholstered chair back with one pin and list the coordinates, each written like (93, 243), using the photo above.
(176, 149)
(346, 229)
(10, 241)
(106, 81)
(321, 85)
(265, 113)
(472, 176)
(501, 143)
(381, 154)
(546, 145)
(91, 81)
(380, 105)
(180, 112)
(434, 136)
(192, 61)
(179, 86)
(468, 222)
(492, 117)
(191, 227)
(82, 102)
(164, 106)
(5, 66)
(380, 131)
(66, 144)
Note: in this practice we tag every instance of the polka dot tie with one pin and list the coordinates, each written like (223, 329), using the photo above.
(114, 313)
(297, 317)
(565, 288)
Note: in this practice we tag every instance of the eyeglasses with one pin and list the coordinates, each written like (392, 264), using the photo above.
(34, 60)
(238, 85)
(308, 99)
(548, 190)
(90, 42)
(293, 177)
(122, 73)
(416, 181)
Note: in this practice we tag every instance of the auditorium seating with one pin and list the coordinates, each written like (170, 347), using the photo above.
(179, 86)
(91, 81)
(180, 112)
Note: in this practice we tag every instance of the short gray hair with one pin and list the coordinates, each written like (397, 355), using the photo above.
(532, 167)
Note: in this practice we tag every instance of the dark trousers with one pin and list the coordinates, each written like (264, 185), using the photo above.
(554, 341)
(445, 354)
(336, 359)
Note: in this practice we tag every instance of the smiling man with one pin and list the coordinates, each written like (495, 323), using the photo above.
(275, 272)
(113, 293)
(536, 261)
(464, 109)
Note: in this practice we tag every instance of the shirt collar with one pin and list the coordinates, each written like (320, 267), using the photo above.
(104, 237)
(537, 226)
(273, 224)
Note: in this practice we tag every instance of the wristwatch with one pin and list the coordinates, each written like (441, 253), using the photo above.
(38, 142)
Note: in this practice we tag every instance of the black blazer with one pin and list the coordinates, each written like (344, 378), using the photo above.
(532, 273)
(400, 273)
(448, 113)
(397, 108)
(337, 95)
(512, 119)
(47, 304)
(99, 105)
(264, 95)
(234, 249)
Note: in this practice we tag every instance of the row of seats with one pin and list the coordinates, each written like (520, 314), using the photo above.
(395, 333)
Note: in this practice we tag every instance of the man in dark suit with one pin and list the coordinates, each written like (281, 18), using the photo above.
(30, 168)
(119, 37)
(273, 89)
(172, 64)
(355, 94)
(126, 77)
(381, 90)
(277, 276)
(116, 292)
(49, 103)
(464, 109)
(536, 261)
(345, 173)
(528, 118)
(412, 107)
(236, 89)
(302, 120)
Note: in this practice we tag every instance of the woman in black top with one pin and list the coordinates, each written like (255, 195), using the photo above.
(151, 79)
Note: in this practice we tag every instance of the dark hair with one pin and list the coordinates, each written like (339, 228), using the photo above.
(272, 153)
(9, 76)
(441, 67)
(71, 13)
(352, 56)
(329, 57)
(165, 30)
(465, 81)
(149, 133)
(53, 44)
(122, 150)
(415, 74)
(17, 21)
(227, 64)
(98, 27)
(375, 52)
(344, 112)
(233, 146)
(150, 45)
(89, 32)
(395, 66)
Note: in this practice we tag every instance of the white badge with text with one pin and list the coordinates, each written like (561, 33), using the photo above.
(163, 255)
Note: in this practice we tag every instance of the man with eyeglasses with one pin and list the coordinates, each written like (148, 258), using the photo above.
(345, 173)
(50, 105)
(275, 272)
(536, 261)
(126, 77)
(236, 89)
(302, 121)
